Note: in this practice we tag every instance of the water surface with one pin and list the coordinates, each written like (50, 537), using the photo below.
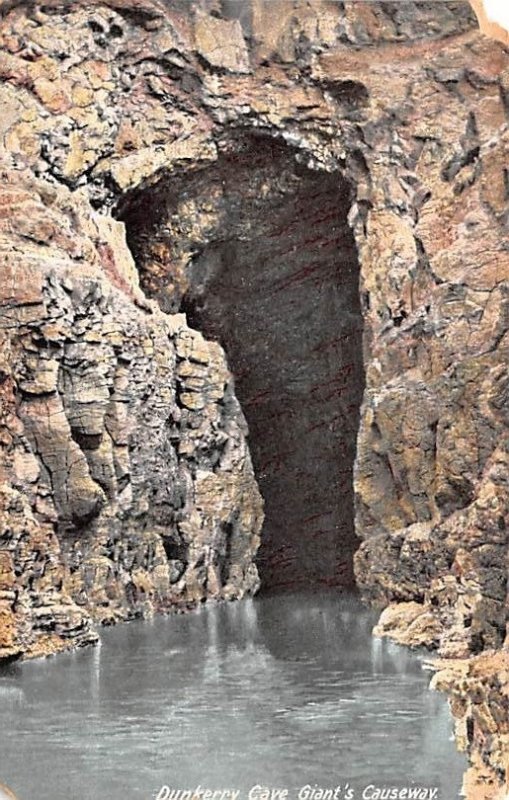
(279, 691)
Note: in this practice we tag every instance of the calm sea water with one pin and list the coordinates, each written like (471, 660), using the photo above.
(277, 691)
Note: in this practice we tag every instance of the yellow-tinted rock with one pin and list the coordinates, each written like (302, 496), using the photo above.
(221, 43)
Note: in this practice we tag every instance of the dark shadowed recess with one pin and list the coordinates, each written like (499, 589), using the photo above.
(271, 272)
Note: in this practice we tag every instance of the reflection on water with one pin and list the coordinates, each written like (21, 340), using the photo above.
(283, 691)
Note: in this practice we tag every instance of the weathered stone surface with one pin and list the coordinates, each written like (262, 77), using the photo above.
(124, 457)
(410, 624)
(221, 43)
(37, 615)
(479, 700)
(121, 497)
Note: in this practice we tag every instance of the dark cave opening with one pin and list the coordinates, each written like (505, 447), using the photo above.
(257, 250)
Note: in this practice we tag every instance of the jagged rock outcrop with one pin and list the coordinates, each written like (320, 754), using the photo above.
(127, 481)
(479, 689)
(135, 95)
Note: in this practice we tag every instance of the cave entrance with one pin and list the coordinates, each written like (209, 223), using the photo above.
(258, 251)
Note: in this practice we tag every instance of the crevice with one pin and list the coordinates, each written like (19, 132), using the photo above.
(257, 251)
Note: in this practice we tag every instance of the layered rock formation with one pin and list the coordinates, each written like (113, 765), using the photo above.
(130, 486)
(303, 181)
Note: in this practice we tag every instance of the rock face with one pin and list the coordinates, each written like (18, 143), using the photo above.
(260, 254)
(369, 142)
(480, 704)
(369, 113)
(128, 484)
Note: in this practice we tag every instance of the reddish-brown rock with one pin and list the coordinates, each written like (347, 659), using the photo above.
(127, 480)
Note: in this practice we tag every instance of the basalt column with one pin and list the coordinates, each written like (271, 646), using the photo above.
(258, 252)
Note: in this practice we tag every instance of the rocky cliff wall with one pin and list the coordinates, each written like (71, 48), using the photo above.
(479, 701)
(127, 483)
(110, 103)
